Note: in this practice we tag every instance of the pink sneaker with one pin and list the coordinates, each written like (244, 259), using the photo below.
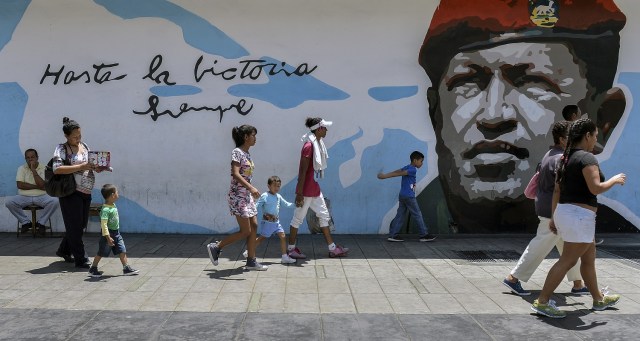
(296, 254)
(339, 251)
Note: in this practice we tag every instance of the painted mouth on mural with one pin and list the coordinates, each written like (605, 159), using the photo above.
(495, 147)
(495, 172)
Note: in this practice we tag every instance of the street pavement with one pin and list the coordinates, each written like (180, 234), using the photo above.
(448, 289)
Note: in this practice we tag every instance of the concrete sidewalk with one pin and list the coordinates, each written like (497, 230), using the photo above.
(449, 289)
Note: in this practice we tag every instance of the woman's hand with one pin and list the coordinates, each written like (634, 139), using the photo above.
(299, 200)
(87, 166)
(254, 192)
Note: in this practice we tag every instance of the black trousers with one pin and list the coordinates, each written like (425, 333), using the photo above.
(75, 213)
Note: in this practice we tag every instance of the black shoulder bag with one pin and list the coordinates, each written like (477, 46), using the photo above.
(59, 185)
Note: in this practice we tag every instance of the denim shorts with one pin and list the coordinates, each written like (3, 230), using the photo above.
(575, 224)
(104, 250)
(268, 228)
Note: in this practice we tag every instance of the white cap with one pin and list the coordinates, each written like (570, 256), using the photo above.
(322, 123)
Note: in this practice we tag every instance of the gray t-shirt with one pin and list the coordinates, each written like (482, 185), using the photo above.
(546, 181)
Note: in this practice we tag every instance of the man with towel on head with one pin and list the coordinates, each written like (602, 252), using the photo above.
(313, 162)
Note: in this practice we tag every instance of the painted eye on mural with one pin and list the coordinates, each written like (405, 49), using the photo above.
(466, 90)
(470, 83)
(521, 76)
(532, 81)
(467, 85)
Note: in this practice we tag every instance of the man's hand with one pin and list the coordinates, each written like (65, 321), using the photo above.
(110, 241)
(299, 200)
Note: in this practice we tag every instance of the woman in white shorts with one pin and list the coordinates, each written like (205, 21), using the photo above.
(574, 207)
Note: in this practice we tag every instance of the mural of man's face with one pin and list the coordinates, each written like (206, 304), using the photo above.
(495, 111)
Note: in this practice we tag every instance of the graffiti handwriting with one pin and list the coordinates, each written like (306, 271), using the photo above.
(71, 76)
(162, 77)
(251, 68)
(154, 101)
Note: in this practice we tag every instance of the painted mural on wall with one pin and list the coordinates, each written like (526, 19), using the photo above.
(161, 83)
(501, 74)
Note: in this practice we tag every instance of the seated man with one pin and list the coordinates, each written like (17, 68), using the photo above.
(30, 182)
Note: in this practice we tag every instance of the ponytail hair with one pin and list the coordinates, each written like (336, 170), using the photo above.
(238, 133)
(69, 125)
(577, 131)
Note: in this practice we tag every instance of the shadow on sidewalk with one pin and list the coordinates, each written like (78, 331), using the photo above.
(461, 249)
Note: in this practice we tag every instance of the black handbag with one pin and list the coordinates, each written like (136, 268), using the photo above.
(59, 185)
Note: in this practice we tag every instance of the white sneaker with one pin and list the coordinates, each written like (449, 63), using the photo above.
(287, 260)
(245, 253)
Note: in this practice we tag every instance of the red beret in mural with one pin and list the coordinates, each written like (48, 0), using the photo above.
(459, 25)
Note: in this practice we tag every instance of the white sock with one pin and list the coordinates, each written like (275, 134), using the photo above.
(332, 246)
(284, 255)
(291, 247)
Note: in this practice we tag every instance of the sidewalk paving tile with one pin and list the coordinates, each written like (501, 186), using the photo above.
(458, 285)
(202, 326)
(478, 304)
(162, 301)
(364, 286)
(302, 303)
(270, 285)
(336, 303)
(232, 302)
(301, 285)
(372, 303)
(269, 302)
(136, 325)
(398, 285)
(332, 285)
(363, 327)
(259, 327)
(432, 285)
(407, 304)
(448, 327)
(197, 301)
(443, 304)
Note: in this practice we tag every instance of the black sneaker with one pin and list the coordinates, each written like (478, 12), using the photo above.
(67, 258)
(214, 252)
(42, 230)
(93, 272)
(427, 238)
(252, 264)
(25, 227)
(395, 239)
(86, 265)
(128, 270)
